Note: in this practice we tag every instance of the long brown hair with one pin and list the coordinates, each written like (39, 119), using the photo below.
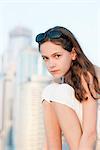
(80, 66)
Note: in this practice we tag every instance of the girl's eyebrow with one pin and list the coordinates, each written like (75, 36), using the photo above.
(51, 54)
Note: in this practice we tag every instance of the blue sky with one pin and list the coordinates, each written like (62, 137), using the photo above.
(81, 17)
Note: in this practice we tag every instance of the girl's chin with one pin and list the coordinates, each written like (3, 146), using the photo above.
(57, 75)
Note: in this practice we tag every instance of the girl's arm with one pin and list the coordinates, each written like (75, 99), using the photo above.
(45, 146)
(88, 138)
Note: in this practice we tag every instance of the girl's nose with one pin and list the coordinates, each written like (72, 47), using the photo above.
(51, 64)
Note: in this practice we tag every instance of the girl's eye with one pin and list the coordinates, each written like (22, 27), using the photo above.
(44, 58)
(57, 56)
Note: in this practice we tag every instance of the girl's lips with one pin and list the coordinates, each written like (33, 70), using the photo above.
(53, 71)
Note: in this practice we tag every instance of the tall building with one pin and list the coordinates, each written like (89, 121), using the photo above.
(20, 38)
(31, 77)
(1, 110)
(25, 76)
(7, 96)
(29, 121)
(1, 93)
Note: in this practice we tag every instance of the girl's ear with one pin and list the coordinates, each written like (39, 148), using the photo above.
(73, 53)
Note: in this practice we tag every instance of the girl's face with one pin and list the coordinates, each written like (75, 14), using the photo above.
(57, 59)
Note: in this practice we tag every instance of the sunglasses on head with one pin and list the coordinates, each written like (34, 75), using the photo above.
(50, 35)
(54, 34)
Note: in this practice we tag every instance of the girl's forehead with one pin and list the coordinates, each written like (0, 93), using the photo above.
(50, 47)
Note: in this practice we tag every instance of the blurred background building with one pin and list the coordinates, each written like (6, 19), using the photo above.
(23, 76)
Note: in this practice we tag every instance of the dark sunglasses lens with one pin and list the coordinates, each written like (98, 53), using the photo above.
(54, 34)
(40, 37)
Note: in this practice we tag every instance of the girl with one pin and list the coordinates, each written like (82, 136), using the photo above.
(69, 106)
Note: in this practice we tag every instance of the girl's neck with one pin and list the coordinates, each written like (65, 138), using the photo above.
(62, 79)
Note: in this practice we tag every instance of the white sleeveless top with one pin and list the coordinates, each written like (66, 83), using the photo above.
(64, 94)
